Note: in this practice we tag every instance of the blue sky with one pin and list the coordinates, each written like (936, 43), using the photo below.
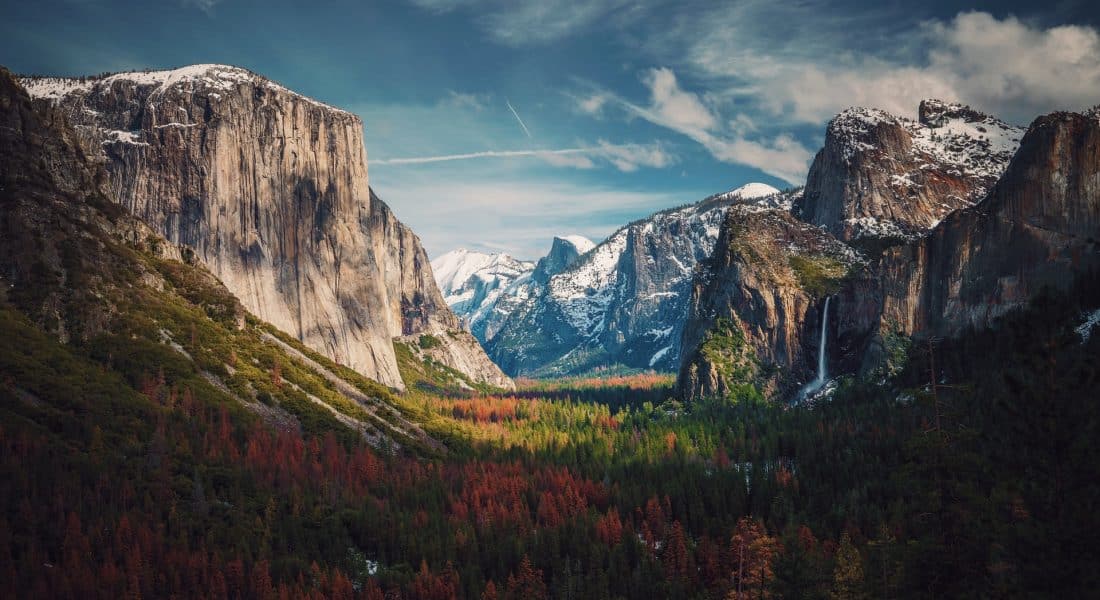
(496, 124)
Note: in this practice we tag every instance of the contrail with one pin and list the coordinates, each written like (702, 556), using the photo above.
(517, 117)
(487, 154)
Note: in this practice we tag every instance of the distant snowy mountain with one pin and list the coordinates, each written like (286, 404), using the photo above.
(623, 301)
(472, 282)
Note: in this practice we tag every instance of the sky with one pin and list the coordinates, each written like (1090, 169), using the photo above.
(496, 124)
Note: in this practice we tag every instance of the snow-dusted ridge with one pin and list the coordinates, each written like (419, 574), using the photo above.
(625, 300)
(951, 134)
(210, 76)
(585, 290)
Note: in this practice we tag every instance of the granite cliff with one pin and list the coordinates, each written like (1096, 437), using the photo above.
(1039, 226)
(269, 190)
(890, 178)
(757, 304)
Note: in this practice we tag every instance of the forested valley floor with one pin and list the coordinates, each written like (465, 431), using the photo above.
(969, 468)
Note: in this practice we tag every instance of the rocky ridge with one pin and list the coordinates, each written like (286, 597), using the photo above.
(477, 285)
(1039, 226)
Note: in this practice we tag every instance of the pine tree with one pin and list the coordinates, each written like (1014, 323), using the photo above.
(848, 574)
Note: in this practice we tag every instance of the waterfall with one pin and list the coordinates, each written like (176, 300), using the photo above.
(811, 388)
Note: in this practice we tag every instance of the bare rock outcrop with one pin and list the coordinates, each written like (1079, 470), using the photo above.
(1037, 226)
(756, 304)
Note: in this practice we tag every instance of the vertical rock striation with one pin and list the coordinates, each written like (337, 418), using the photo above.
(269, 189)
(625, 301)
(1009, 222)
(1039, 226)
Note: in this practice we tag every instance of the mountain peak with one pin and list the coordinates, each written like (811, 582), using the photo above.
(564, 252)
(455, 268)
(751, 191)
(579, 242)
(934, 113)
(881, 175)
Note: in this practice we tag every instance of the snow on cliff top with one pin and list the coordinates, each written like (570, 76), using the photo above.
(579, 242)
(210, 76)
(751, 191)
(586, 289)
(955, 135)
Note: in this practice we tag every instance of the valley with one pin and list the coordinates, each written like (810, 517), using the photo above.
(228, 370)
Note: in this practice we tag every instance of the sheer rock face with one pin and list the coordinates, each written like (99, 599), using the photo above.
(881, 176)
(755, 313)
(270, 191)
(563, 252)
(1039, 226)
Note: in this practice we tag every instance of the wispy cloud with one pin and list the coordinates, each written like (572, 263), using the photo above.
(518, 216)
(685, 112)
(206, 6)
(461, 100)
(519, 120)
(592, 104)
(474, 155)
(629, 157)
(528, 22)
(624, 157)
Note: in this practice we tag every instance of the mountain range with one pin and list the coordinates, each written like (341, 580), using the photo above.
(229, 372)
(916, 228)
(994, 215)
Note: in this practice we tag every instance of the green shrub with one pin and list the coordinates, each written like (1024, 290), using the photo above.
(818, 275)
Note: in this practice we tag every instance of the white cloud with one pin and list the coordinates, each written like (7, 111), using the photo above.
(593, 104)
(677, 108)
(1014, 69)
(460, 100)
(576, 161)
(1011, 66)
(418, 160)
(629, 157)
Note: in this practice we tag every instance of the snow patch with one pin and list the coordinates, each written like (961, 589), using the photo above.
(118, 136)
(580, 243)
(657, 356)
(1084, 330)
